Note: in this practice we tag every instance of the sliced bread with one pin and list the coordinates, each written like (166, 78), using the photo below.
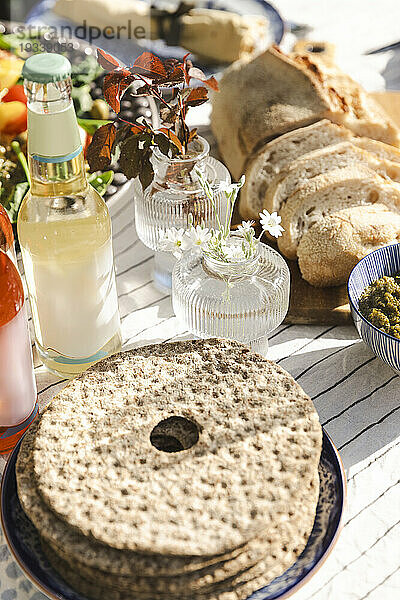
(330, 249)
(379, 148)
(273, 93)
(321, 161)
(327, 193)
(278, 154)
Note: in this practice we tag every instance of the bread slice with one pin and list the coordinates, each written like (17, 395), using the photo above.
(330, 249)
(271, 94)
(327, 193)
(379, 148)
(321, 161)
(278, 154)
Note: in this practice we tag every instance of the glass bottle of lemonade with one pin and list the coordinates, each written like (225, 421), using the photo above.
(64, 230)
(18, 406)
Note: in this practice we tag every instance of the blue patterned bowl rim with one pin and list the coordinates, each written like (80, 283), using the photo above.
(354, 303)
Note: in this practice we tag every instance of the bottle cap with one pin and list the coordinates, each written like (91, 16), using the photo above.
(46, 68)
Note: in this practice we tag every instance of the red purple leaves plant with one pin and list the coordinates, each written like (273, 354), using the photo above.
(114, 87)
(99, 152)
(136, 141)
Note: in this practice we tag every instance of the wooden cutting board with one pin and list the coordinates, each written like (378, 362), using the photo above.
(328, 306)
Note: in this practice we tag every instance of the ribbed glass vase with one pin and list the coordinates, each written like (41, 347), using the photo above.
(173, 196)
(242, 301)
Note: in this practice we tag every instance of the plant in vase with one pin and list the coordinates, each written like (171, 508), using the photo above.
(228, 284)
(165, 160)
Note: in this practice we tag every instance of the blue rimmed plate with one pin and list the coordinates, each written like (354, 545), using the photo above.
(24, 543)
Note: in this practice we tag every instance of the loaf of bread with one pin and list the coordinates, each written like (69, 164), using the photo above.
(272, 94)
(321, 161)
(326, 194)
(331, 247)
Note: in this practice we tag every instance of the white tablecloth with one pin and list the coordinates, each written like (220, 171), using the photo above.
(356, 395)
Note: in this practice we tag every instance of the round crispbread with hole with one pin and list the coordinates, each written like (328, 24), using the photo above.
(129, 571)
(251, 448)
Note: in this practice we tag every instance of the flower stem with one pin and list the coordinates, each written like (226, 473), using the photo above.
(22, 159)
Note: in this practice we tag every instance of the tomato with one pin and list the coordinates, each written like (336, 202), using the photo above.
(16, 92)
(13, 116)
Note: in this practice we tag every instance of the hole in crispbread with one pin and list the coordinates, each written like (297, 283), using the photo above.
(174, 434)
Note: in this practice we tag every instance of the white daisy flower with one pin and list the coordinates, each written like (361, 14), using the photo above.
(229, 188)
(198, 237)
(271, 223)
(174, 241)
(246, 227)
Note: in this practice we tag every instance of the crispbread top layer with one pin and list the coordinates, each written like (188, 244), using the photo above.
(258, 449)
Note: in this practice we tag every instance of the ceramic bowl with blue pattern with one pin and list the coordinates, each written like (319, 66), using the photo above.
(24, 542)
(384, 261)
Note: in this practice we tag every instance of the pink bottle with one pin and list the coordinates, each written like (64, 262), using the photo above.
(18, 406)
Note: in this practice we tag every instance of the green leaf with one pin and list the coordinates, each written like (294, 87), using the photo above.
(101, 181)
(91, 125)
(163, 143)
(5, 43)
(86, 70)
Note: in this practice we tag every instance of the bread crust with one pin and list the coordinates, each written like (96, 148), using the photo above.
(321, 161)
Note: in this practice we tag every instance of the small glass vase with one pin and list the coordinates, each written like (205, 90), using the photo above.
(242, 301)
(173, 196)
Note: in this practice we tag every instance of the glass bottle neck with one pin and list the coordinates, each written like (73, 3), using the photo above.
(57, 178)
(54, 144)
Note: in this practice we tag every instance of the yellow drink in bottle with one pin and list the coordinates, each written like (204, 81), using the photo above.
(64, 230)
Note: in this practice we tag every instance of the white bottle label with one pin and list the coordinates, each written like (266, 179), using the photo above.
(42, 141)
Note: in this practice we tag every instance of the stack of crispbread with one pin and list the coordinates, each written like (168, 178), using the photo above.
(184, 470)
